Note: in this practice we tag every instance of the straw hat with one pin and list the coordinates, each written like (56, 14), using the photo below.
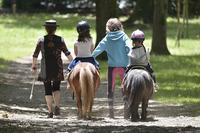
(50, 22)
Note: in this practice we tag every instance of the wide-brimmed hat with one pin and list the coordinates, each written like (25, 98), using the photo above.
(50, 22)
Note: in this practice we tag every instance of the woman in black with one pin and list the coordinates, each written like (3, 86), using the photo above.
(51, 72)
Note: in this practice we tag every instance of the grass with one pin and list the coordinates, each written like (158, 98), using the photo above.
(19, 33)
(178, 75)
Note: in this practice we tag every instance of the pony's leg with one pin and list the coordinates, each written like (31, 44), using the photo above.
(84, 108)
(126, 108)
(144, 109)
(126, 95)
(134, 112)
(79, 104)
(90, 109)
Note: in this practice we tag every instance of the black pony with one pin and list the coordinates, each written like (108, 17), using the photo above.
(138, 88)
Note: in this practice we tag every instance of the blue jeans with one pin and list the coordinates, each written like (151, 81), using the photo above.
(83, 59)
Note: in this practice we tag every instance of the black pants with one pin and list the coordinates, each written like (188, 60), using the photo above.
(51, 86)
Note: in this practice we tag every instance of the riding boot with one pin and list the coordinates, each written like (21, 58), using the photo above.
(57, 110)
(50, 115)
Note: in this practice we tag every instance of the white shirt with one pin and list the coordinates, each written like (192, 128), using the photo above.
(138, 56)
(84, 48)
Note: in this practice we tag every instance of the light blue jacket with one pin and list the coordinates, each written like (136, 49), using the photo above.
(117, 46)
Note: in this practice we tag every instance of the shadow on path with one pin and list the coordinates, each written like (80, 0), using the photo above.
(19, 114)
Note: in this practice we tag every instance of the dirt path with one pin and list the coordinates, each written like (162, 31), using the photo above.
(19, 114)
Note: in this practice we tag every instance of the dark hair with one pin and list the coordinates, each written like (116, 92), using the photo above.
(50, 29)
(83, 36)
(137, 39)
(82, 26)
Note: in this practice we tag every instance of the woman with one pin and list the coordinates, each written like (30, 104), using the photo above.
(51, 72)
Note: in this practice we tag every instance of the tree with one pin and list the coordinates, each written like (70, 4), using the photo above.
(159, 43)
(141, 10)
(105, 9)
(182, 29)
(178, 25)
(185, 19)
(13, 6)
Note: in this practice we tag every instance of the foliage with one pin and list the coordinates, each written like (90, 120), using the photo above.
(51, 5)
(23, 33)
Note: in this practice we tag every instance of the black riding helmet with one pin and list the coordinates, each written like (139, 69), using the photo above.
(82, 26)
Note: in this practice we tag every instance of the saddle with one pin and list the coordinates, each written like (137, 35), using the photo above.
(131, 67)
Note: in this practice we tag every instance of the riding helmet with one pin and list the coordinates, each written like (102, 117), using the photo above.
(82, 26)
(137, 35)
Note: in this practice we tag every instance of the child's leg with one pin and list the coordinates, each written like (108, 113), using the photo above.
(72, 64)
(150, 70)
(110, 86)
(110, 92)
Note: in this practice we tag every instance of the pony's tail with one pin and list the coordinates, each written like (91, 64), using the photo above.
(87, 87)
(137, 90)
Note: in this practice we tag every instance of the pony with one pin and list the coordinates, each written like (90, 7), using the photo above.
(138, 88)
(84, 80)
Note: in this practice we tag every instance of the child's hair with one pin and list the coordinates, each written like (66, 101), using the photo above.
(83, 29)
(113, 24)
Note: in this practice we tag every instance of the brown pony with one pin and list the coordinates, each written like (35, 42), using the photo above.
(84, 80)
(138, 88)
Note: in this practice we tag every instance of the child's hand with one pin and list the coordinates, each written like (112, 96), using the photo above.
(34, 68)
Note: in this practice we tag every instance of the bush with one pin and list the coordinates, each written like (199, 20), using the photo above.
(52, 5)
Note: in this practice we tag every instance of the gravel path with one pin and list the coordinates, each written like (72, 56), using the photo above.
(19, 114)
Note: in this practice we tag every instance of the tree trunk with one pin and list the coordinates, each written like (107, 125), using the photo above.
(14, 7)
(143, 10)
(177, 43)
(159, 43)
(105, 9)
(185, 19)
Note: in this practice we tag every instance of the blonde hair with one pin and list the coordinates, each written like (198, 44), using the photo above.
(113, 24)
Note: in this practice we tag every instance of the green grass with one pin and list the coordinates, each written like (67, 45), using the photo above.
(19, 33)
(178, 75)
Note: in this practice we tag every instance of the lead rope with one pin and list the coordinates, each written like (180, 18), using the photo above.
(33, 84)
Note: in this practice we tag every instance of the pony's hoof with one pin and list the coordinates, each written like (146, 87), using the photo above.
(79, 117)
(89, 117)
(143, 118)
(126, 118)
(134, 119)
(111, 116)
